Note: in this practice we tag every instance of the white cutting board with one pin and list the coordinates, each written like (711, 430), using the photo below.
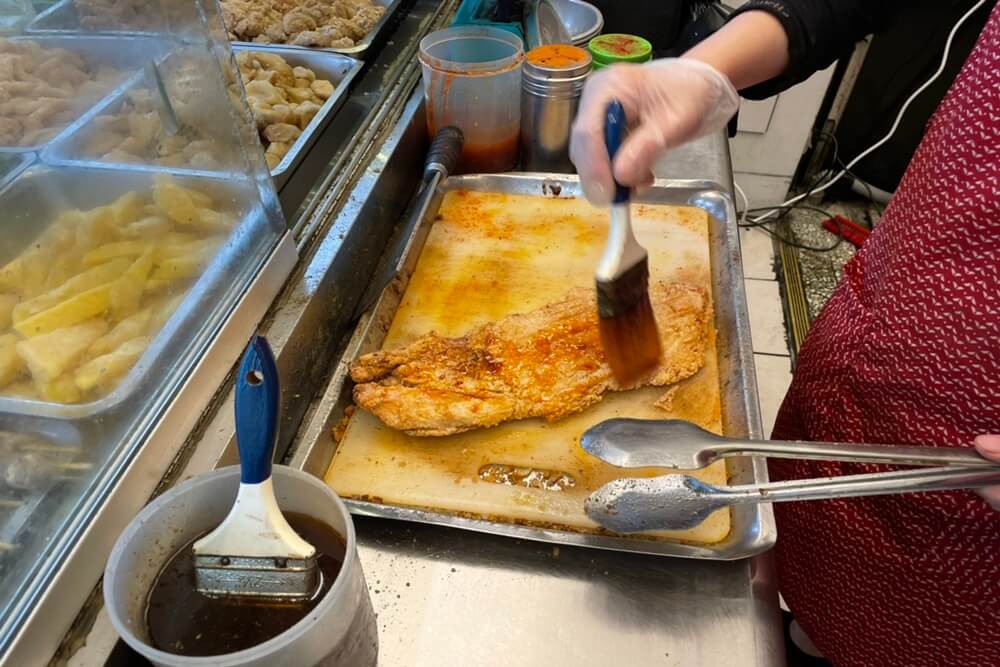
(489, 255)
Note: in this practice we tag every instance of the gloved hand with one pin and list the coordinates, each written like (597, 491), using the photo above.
(989, 447)
(667, 102)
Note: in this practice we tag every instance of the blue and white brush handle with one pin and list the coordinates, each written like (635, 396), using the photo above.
(622, 250)
(255, 526)
(615, 126)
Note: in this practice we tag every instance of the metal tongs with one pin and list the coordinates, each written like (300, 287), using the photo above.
(678, 502)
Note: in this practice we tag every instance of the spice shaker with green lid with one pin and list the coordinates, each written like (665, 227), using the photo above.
(617, 48)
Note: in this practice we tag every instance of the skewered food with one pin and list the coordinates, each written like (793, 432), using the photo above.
(43, 89)
(93, 289)
(334, 24)
(546, 363)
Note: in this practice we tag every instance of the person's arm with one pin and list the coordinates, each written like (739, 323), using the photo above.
(749, 49)
(768, 45)
(816, 33)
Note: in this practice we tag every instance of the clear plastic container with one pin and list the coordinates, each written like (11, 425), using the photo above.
(472, 80)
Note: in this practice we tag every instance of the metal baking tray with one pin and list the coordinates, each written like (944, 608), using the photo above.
(43, 191)
(124, 53)
(360, 49)
(336, 68)
(62, 19)
(753, 529)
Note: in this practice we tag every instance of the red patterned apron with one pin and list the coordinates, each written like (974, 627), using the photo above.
(908, 351)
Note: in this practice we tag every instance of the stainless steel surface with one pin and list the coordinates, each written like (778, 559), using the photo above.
(338, 69)
(549, 100)
(123, 53)
(47, 610)
(753, 527)
(448, 598)
(360, 49)
(41, 192)
(676, 502)
(543, 25)
(637, 443)
(583, 21)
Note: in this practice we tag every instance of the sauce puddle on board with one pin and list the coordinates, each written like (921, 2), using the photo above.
(182, 621)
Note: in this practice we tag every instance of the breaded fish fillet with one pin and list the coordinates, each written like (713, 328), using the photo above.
(545, 363)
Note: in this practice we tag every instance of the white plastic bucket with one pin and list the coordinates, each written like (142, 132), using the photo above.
(339, 631)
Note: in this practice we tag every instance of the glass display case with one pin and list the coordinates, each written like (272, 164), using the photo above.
(138, 211)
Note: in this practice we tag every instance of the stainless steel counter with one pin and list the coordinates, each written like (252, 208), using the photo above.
(448, 597)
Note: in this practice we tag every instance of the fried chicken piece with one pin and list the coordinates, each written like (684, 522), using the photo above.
(546, 363)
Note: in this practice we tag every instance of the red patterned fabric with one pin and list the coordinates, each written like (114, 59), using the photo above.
(908, 351)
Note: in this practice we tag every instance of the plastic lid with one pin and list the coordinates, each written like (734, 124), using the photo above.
(618, 48)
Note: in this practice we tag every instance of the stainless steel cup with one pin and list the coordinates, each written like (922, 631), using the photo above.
(550, 96)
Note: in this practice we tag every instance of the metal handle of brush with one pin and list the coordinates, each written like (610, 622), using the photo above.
(873, 484)
(442, 158)
(257, 395)
(615, 125)
(852, 453)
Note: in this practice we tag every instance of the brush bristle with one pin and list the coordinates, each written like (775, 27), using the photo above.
(629, 334)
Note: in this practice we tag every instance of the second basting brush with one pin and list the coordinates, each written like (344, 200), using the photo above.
(627, 324)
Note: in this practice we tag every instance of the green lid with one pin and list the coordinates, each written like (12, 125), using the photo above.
(617, 48)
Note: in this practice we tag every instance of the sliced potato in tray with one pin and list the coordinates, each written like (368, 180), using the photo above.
(81, 303)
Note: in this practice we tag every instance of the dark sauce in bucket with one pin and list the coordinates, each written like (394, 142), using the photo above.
(182, 621)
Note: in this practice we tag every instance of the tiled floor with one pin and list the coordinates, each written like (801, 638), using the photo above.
(767, 323)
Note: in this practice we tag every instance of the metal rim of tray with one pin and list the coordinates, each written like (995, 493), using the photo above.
(56, 153)
(752, 527)
(360, 48)
(357, 50)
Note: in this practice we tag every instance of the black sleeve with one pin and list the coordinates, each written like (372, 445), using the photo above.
(819, 32)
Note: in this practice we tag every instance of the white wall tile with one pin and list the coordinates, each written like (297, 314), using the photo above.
(774, 374)
(758, 254)
(767, 319)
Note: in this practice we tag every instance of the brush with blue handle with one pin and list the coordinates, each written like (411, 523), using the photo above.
(254, 552)
(627, 324)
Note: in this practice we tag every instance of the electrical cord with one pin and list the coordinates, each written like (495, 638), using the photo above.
(762, 226)
(895, 125)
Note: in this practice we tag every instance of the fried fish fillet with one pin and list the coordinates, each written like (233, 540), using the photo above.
(545, 363)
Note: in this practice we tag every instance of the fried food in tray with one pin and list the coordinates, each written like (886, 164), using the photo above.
(546, 363)
(42, 90)
(81, 304)
(336, 24)
(284, 100)
(137, 15)
(133, 132)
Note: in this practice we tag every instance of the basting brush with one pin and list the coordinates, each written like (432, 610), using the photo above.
(254, 552)
(629, 335)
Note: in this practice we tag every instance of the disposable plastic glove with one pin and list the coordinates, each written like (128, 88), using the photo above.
(667, 102)
(989, 447)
